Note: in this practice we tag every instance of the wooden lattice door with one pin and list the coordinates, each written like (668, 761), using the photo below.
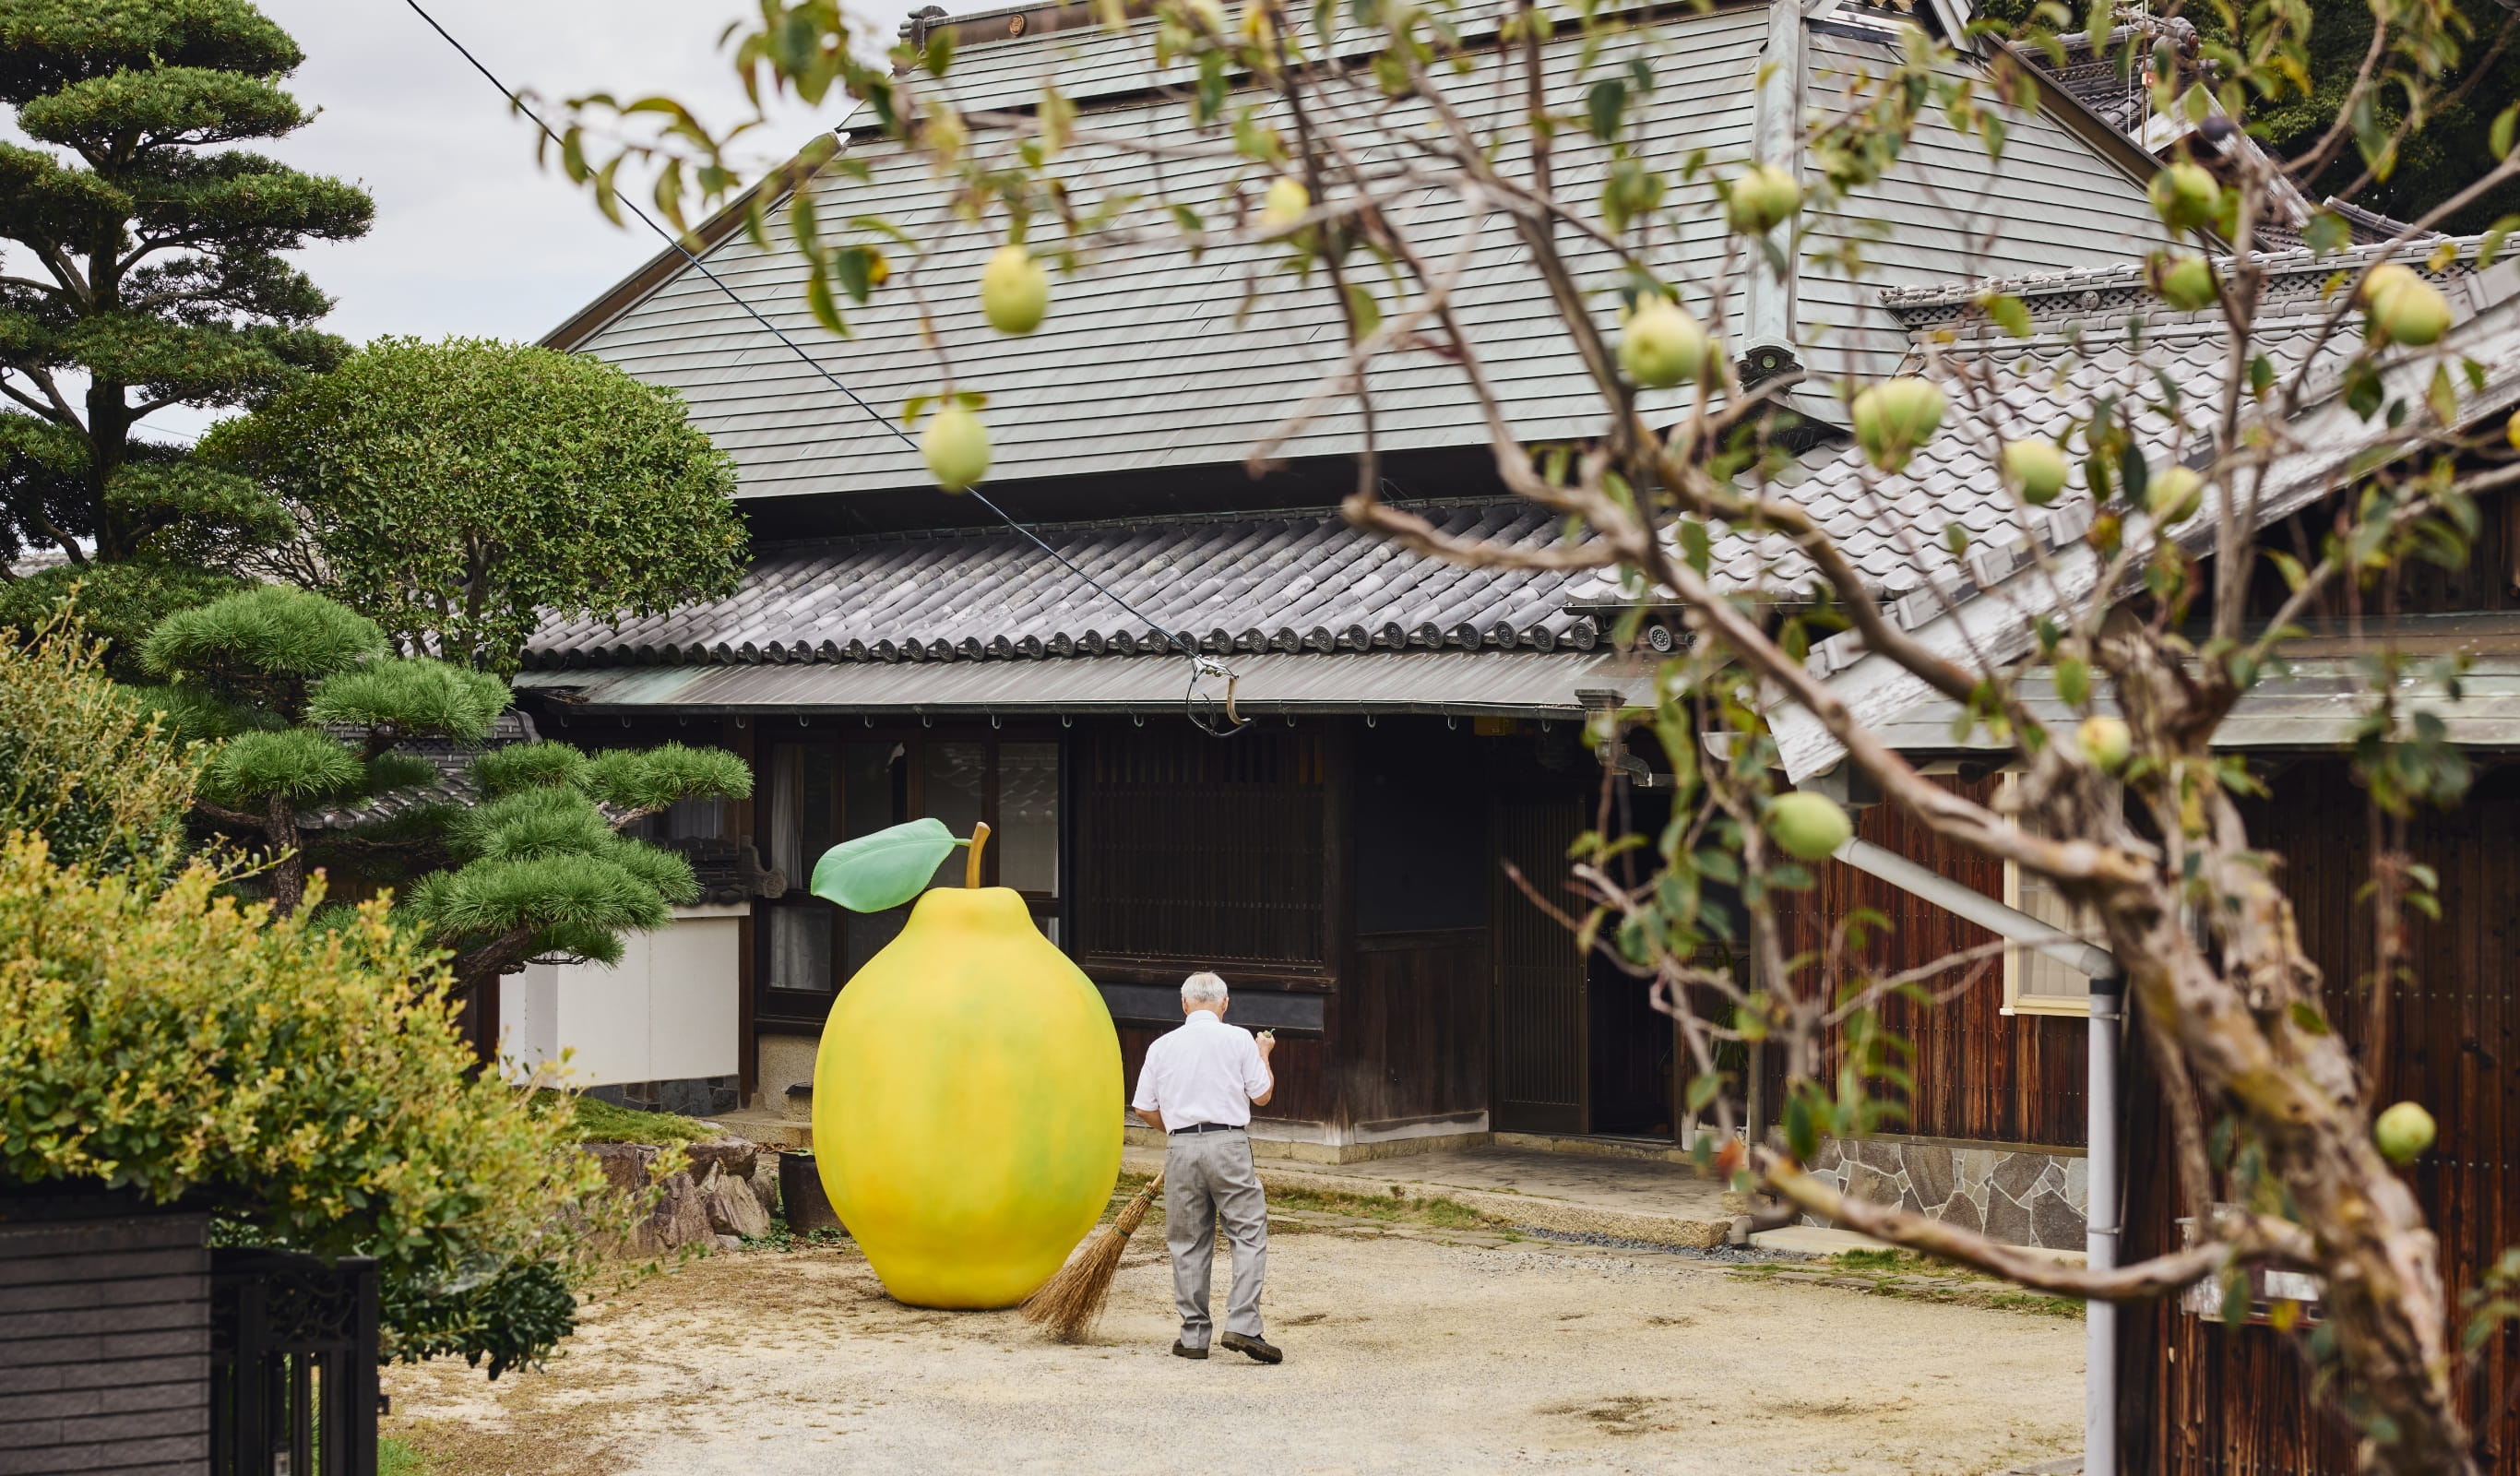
(1542, 1003)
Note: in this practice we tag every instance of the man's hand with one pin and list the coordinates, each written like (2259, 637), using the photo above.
(1267, 1041)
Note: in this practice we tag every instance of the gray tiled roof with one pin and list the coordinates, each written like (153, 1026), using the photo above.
(2004, 388)
(1987, 608)
(1306, 581)
(1277, 582)
(1151, 361)
(454, 784)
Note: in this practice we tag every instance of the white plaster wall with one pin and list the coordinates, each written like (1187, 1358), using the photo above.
(665, 1013)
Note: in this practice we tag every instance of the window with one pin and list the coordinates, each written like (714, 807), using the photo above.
(1204, 853)
(684, 819)
(815, 795)
(801, 814)
(2033, 982)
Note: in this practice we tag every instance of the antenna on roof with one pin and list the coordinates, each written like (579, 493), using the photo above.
(1201, 707)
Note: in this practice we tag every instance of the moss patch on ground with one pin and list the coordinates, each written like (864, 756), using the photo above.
(1434, 1210)
(1906, 1273)
(1431, 1210)
(601, 1121)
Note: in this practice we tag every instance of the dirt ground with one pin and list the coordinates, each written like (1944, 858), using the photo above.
(1408, 1349)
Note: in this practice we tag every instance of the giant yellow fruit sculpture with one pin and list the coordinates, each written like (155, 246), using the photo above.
(964, 1102)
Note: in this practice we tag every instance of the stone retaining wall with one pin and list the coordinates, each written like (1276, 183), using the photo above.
(2019, 1195)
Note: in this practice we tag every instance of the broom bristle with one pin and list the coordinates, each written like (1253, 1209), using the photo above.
(1069, 1303)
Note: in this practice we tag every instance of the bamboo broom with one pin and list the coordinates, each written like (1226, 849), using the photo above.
(1069, 1303)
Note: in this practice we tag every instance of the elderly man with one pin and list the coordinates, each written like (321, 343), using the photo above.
(1199, 1085)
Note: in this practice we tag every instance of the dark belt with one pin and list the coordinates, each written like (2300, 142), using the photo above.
(1207, 1127)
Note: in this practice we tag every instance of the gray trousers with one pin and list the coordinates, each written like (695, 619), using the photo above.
(1208, 1177)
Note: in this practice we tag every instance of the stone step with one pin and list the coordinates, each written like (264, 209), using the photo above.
(768, 1128)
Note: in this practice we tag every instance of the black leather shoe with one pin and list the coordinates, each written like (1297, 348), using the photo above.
(1259, 1350)
(1185, 1350)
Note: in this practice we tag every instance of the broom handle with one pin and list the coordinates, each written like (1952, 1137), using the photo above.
(1134, 1213)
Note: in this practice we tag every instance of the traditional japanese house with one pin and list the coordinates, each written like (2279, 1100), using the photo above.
(1214, 726)
(1398, 727)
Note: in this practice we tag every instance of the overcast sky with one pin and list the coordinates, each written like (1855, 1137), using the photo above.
(472, 236)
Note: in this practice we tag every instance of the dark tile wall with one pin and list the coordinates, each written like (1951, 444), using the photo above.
(689, 1097)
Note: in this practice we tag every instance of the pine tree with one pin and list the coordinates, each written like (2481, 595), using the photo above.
(313, 709)
(141, 267)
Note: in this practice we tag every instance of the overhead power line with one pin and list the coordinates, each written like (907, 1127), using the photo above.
(1200, 666)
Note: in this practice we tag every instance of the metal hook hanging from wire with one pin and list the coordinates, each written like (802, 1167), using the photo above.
(1200, 707)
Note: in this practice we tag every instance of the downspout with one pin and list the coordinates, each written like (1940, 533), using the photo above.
(2101, 1226)
(1775, 138)
(2100, 1105)
(1977, 907)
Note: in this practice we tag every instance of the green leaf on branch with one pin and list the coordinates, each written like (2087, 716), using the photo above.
(2010, 313)
(876, 872)
(1604, 105)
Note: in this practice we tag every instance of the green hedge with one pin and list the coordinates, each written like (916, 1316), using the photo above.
(176, 1042)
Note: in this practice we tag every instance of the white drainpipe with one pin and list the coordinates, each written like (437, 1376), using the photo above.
(2100, 1229)
(2100, 1105)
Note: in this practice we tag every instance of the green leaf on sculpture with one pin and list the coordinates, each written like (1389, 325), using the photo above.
(883, 870)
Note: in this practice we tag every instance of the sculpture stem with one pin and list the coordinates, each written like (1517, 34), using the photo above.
(971, 861)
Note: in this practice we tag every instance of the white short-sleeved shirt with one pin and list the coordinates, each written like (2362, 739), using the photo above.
(1206, 1072)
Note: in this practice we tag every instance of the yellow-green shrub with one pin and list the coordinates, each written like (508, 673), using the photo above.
(81, 762)
(306, 1079)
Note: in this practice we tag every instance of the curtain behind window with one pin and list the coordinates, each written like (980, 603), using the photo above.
(801, 932)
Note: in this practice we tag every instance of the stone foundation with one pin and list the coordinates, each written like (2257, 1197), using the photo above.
(689, 1096)
(783, 1062)
(2018, 1194)
(1291, 1141)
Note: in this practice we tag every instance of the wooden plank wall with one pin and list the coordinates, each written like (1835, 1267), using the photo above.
(1193, 854)
(2490, 580)
(105, 1346)
(1980, 1073)
(1413, 1033)
(1541, 992)
(1201, 851)
(2199, 1399)
(1307, 1089)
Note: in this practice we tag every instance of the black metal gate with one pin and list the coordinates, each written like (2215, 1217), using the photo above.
(292, 1364)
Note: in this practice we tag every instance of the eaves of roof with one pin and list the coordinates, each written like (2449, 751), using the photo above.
(764, 193)
(1457, 684)
(2085, 121)
(2313, 702)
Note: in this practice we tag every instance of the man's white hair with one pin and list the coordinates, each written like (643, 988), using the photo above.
(1203, 988)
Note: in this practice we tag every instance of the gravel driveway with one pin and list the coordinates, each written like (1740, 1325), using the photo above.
(1408, 1349)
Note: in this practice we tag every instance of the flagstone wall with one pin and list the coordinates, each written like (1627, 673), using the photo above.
(2023, 1197)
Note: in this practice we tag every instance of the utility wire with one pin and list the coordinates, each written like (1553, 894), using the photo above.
(1200, 666)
